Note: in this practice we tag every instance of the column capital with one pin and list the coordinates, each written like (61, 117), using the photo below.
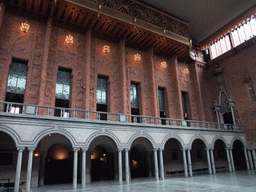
(228, 148)
(121, 149)
(155, 149)
(76, 149)
(31, 148)
(20, 148)
(183, 149)
(84, 148)
(126, 149)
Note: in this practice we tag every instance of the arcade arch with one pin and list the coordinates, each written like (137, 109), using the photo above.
(102, 159)
(239, 155)
(173, 157)
(220, 155)
(141, 158)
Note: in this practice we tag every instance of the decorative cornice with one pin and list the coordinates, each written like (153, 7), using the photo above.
(142, 12)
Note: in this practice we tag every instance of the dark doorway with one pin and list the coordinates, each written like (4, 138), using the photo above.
(58, 165)
(228, 119)
(139, 163)
(102, 165)
(238, 155)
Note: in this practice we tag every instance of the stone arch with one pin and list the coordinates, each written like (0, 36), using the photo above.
(237, 138)
(64, 133)
(11, 133)
(217, 137)
(170, 136)
(99, 134)
(197, 137)
(146, 136)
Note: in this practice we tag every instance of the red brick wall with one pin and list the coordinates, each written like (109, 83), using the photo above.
(147, 72)
(236, 68)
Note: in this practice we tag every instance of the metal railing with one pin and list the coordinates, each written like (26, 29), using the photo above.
(37, 110)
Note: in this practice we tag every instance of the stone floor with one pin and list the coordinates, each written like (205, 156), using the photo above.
(240, 181)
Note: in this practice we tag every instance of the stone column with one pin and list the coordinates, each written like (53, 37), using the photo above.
(190, 164)
(254, 157)
(209, 161)
(156, 165)
(42, 167)
(75, 168)
(83, 167)
(47, 43)
(213, 163)
(232, 160)
(250, 158)
(228, 159)
(185, 163)
(246, 159)
(120, 176)
(127, 169)
(161, 164)
(29, 169)
(18, 169)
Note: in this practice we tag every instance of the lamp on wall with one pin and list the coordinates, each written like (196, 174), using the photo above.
(69, 39)
(185, 71)
(36, 154)
(163, 64)
(137, 57)
(24, 27)
(106, 49)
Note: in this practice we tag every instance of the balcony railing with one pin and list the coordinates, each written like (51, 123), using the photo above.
(65, 113)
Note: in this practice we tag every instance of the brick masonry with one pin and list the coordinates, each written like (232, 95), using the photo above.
(45, 49)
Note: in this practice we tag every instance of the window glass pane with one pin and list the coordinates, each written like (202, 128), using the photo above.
(102, 90)
(241, 34)
(63, 85)
(213, 51)
(17, 78)
(223, 45)
(134, 96)
(218, 48)
(253, 25)
(248, 30)
(227, 40)
(161, 97)
(235, 38)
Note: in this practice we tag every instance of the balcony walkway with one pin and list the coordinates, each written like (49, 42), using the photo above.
(235, 182)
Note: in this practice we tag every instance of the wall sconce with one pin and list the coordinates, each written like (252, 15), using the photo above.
(185, 71)
(163, 64)
(137, 57)
(36, 154)
(24, 27)
(106, 49)
(69, 39)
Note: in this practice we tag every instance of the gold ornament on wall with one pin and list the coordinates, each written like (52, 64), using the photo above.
(137, 57)
(69, 39)
(106, 49)
(163, 64)
(24, 27)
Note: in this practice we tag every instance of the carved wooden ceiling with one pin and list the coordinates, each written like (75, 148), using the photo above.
(100, 19)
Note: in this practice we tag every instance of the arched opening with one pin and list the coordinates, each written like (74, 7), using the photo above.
(238, 155)
(141, 158)
(199, 156)
(227, 117)
(173, 158)
(103, 159)
(8, 158)
(55, 161)
(220, 156)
